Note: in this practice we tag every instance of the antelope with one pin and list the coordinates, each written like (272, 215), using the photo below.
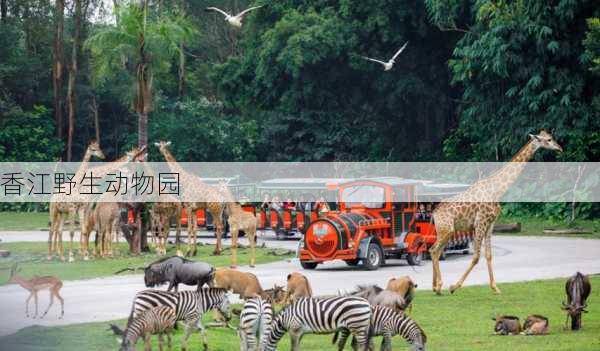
(36, 284)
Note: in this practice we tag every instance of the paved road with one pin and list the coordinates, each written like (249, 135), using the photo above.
(515, 259)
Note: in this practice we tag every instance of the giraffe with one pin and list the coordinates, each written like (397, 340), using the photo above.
(239, 219)
(477, 209)
(161, 213)
(61, 207)
(64, 205)
(192, 189)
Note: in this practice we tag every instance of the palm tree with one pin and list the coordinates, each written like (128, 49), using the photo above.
(137, 43)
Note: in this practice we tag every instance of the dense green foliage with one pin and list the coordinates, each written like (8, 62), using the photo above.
(476, 77)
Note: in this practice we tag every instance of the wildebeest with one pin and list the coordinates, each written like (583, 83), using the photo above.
(578, 289)
(175, 270)
(507, 325)
(535, 325)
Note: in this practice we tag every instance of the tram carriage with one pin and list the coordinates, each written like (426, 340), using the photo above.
(294, 222)
(377, 219)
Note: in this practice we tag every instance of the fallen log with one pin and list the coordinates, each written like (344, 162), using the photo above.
(507, 228)
(568, 230)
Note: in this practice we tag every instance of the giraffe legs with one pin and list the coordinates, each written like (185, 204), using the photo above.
(252, 241)
(234, 236)
(488, 257)
(480, 231)
(178, 232)
(444, 232)
(191, 233)
(71, 234)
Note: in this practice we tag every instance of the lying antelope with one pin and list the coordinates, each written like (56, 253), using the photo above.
(36, 284)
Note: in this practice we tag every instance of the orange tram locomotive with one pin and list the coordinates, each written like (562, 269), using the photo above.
(376, 220)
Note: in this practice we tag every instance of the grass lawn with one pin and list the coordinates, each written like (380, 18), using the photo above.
(23, 220)
(460, 322)
(535, 227)
(32, 260)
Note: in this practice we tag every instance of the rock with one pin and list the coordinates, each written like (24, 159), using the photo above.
(4, 253)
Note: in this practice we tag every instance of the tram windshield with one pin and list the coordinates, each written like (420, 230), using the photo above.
(370, 196)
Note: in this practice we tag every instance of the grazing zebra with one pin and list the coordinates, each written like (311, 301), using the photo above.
(189, 307)
(387, 322)
(255, 321)
(158, 320)
(321, 316)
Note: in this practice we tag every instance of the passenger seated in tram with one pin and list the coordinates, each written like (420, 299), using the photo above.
(422, 213)
(266, 202)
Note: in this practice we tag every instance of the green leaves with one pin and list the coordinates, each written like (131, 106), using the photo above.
(520, 70)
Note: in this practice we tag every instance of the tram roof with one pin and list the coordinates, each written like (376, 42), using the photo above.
(302, 183)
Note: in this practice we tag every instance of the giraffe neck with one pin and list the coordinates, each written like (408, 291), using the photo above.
(102, 171)
(507, 175)
(174, 165)
(83, 165)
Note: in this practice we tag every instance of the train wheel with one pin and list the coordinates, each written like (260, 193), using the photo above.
(374, 257)
(414, 259)
(352, 263)
(308, 264)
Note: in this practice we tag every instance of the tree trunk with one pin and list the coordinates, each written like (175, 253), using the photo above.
(71, 97)
(3, 10)
(94, 108)
(142, 129)
(57, 69)
(181, 70)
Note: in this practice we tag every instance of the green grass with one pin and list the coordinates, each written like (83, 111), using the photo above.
(23, 220)
(458, 322)
(533, 226)
(31, 257)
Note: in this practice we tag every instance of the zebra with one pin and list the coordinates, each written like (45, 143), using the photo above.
(387, 322)
(320, 316)
(157, 320)
(189, 307)
(255, 320)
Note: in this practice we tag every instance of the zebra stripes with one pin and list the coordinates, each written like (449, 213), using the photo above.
(157, 320)
(255, 321)
(189, 306)
(321, 316)
(387, 322)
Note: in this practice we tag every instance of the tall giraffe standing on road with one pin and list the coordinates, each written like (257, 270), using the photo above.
(196, 195)
(477, 209)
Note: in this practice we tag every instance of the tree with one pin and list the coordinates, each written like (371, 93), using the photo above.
(519, 65)
(80, 14)
(139, 44)
(58, 64)
(302, 77)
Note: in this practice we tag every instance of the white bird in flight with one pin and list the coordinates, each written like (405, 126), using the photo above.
(388, 65)
(236, 20)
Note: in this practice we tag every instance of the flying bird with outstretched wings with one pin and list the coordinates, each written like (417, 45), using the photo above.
(389, 64)
(236, 20)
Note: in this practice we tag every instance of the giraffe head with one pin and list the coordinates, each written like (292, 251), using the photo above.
(162, 145)
(94, 150)
(137, 154)
(545, 140)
